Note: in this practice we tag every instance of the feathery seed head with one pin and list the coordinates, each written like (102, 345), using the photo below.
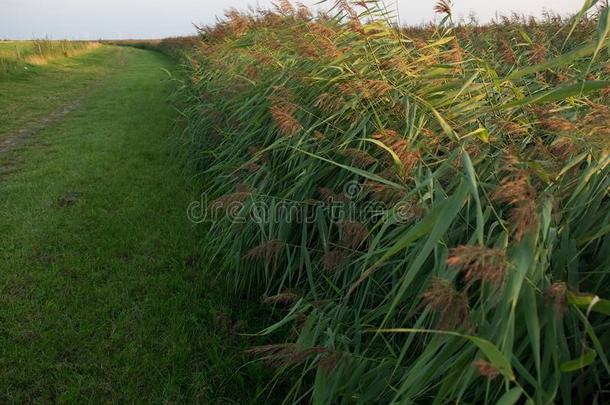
(442, 297)
(353, 234)
(286, 298)
(360, 158)
(443, 7)
(266, 251)
(486, 369)
(479, 263)
(333, 259)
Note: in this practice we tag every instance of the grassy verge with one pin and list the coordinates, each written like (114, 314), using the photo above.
(21, 55)
(29, 95)
(101, 291)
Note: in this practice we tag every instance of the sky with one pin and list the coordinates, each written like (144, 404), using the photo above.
(119, 19)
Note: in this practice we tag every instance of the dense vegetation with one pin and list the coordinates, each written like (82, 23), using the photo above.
(175, 47)
(430, 206)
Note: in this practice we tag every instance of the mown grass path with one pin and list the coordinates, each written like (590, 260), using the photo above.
(102, 298)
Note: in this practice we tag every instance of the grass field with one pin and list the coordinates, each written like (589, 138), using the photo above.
(102, 297)
(18, 56)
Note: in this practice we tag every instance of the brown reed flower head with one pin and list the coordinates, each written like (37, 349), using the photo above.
(352, 16)
(512, 128)
(524, 217)
(320, 29)
(455, 54)
(479, 263)
(282, 95)
(266, 251)
(515, 190)
(291, 354)
(556, 296)
(432, 137)
(557, 124)
(237, 22)
(486, 369)
(409, 157)
(386, 135)
(242, 192)
(333, 259)
(262, 58)
(408, 211)
(382, 192)
(286, 298)
(507, 53)
(367, 89)
(329, 103)
(353, 234)
(597, 120)
(308, 50)
(282, 113)
(354, 24)
(443, 7)
(284, 7)
(442, 297)
(563, 148)
(537, 53)
(321, 36)
(377, 88)
(285, 354)
(352, 88)
(397, 63)
(359, 158)
(303, 12)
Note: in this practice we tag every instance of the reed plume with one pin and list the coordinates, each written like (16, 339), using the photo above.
(442, 297)
(479, 263)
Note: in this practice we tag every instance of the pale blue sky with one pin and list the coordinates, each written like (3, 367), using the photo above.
(92, 19)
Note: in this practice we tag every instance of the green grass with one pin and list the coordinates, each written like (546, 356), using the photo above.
(16, 49)
(102, 297)
(32, 93)
(16, 56)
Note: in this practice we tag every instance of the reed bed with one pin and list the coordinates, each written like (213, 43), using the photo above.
(428, 206)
